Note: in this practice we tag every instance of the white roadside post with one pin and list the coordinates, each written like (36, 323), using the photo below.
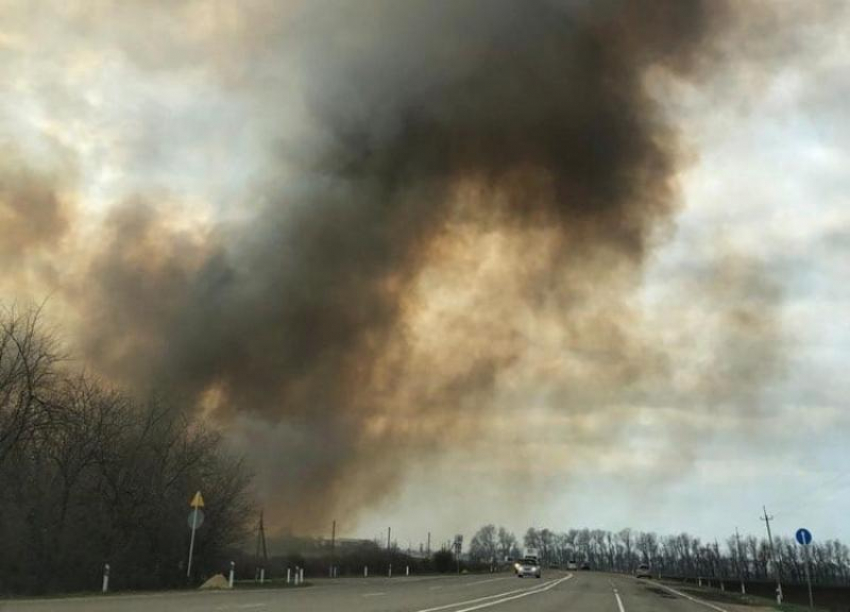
(288, 575)
(301, 577)
(196, 518)
(105, 577)
(365, 571)
(407, 570)
(262, 575)
(232, 573)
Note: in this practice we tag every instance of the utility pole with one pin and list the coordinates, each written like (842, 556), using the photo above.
(333, 550)
(260, 571)
(773, 556)
(389, 552)
(738, 554)
(428, 548)
(715, 565)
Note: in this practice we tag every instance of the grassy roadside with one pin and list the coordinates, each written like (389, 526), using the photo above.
(734, 598)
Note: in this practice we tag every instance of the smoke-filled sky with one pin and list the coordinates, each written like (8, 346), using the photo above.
(437, 264)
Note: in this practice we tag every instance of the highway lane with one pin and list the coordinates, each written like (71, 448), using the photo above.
(557, 591)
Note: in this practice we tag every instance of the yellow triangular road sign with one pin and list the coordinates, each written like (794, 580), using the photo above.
(197, 501)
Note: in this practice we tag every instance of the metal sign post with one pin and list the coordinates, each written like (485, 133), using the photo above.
(196, 519)
(804, 539)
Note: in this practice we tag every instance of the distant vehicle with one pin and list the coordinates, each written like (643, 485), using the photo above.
(572, 565)
(528, 567)
(643, 571)
(585, 566)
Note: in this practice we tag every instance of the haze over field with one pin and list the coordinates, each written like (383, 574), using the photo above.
(429, 263)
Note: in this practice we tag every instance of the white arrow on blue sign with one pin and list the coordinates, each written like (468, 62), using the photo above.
(804, 536)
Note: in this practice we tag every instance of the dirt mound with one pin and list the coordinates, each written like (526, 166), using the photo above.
(216, 582)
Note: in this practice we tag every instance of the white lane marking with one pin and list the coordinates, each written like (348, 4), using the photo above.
(617, 596)
(477, 599)
(488, 604)
(508, 595)
(477, 582)
(374, 594)
(693, 599)
(619, 601)
(437, 588)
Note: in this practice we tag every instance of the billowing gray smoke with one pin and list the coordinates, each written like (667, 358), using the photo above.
(299, 317)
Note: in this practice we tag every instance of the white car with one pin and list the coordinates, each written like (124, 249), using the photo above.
(643, 571)
(572, 565)
(528, 567)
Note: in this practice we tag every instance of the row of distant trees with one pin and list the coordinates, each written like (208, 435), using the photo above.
(90, 476)
(492, 544)
(681, 555)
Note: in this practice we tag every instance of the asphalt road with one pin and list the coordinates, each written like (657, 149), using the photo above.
(556, 591)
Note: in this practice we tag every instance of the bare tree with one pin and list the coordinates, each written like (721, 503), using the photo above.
(484, 545)
(625, 536)
(507, 544)
(89, 475)
(28, 362)
(531, 540)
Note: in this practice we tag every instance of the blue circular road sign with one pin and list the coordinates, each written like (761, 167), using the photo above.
(196, 518)
(804, 536)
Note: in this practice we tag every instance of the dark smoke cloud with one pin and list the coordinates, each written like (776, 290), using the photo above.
(299, 318)
(37, 213)
(33, 214)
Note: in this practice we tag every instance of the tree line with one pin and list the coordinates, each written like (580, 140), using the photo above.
(90, 476)
(682, 555)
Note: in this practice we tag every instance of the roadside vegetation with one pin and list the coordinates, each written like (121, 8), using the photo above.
(686, 556)
(90, 476)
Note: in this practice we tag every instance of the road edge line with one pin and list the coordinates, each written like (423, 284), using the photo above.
(693, 599)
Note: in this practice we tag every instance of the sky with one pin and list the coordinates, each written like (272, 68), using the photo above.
(671, 363)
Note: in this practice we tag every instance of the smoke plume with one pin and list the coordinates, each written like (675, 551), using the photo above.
(473, 181)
